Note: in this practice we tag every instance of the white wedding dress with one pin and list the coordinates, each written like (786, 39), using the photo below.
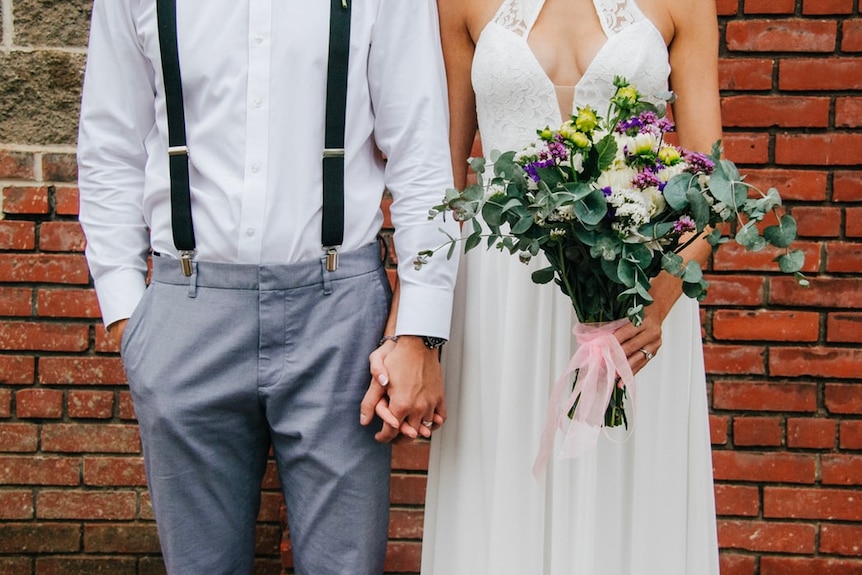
(638, 505)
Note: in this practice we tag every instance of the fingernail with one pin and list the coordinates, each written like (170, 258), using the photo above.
(383, 380)
(363, 419)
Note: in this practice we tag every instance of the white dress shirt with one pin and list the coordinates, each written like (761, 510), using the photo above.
(254, 85)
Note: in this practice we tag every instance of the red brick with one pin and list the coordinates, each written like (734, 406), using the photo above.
(816, 361)
(90, 438)
(737, 564)
(76, 370)
(847, 187)
(39, 403)
(800, 185)
(850, 434)
(794, 35)
(746, 148)
(824, 292)
(114, 472)
(718, 427)
(44, 336)
(738, 500)
(101, 505)
(766, 396)
(81, 565)
(838, 539)
(848, 112)
(270, 476)
(772, 467)
(120, 538)
(767, 537)
(43, 268)
(405, 523)
(15, 505)
(18, 437)
(126, 409)
(17, 236)
(745, 73)
(832, 149)
(775, 565)
(78, 303)
(820, 74)
(407, 489)
(844, 398)
(91, 404)
(734, 359)
(66, 201)
(16, 566)
(271, 507)
(59, 167)
(403, 556)
(824, 7)
(735, 290)
(760, 431)
(766, 325)
(16, 165)
(853, 225)
(25, 200)
(411, 456)
(812, 503)
(38, 470)
(767, 111)
(851, 40)
(61, 237)
(104, 342)
(769, 6)
(39, 538)
(17, 369)
(840, 469)
(5, 404)
(16, 301)
(843, 257)
(733, 257)
(817, 221)
(725, 8)
(810, 433)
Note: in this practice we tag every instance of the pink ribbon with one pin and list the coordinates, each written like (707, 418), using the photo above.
(598, 361)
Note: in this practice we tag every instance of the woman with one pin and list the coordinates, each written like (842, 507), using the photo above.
(638, 504)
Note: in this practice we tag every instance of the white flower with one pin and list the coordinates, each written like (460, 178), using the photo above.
(656, 203)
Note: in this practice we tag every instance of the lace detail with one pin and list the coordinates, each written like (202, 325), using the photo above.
(514, 96)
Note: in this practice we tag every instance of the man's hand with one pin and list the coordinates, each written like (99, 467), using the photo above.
(406, 390)
(116, 329)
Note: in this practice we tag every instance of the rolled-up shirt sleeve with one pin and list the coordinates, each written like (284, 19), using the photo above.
(117, 114)
(408, 91)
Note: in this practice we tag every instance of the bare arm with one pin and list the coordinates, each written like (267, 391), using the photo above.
(697, 114)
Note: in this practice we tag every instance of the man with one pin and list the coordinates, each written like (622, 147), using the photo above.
(258, 338)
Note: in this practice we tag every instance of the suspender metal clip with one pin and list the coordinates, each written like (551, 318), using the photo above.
(186, 262)
(331, 259)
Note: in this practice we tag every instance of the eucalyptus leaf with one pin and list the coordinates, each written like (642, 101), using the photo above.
(693, 272)
(791, 262)
(543, 276)
(673, 264)
(749, 238)
(676, 191)
(592, 208)
(579, 190)
(783, 234)
(700, 208)
(627, 272)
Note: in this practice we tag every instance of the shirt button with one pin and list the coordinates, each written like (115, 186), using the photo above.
(258, 39)
(255, 168)
(249, 232)
(257, 103)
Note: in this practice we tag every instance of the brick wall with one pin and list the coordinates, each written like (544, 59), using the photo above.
(784, 364)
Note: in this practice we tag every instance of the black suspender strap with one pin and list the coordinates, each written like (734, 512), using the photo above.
(178, 152)
(332, 232)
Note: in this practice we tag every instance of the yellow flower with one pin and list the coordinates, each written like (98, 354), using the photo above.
(586, 120)
(627, 96)
(669, 155)
(546, 133)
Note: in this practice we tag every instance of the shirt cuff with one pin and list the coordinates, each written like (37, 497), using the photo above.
(424, 310)
(119, 294)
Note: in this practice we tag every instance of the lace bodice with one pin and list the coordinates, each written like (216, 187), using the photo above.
(514, 95)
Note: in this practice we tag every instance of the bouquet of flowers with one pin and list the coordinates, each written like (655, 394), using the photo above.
(611, 204)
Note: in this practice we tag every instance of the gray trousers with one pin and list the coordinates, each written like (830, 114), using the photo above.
(240, 357)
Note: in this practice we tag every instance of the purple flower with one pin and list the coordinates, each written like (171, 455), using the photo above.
(646, 179)
(533, 167)
(607, 191)
(684, 224)
(698, 162)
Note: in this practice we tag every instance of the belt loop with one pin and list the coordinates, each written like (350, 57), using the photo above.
(193, 281)
(325, 277)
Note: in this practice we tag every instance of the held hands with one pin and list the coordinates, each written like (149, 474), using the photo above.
(406, 390)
